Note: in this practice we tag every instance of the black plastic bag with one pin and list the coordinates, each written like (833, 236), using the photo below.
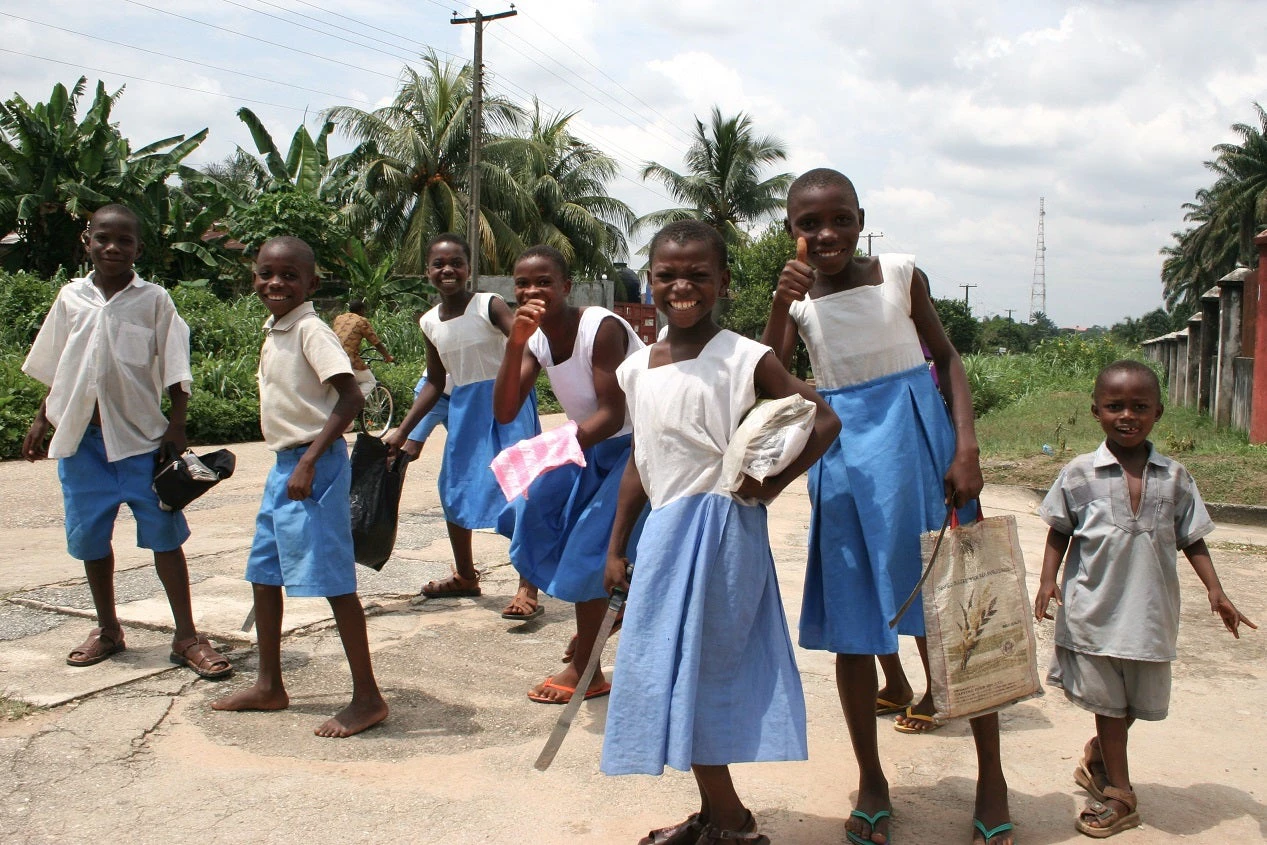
(179, 479)
(375, 501)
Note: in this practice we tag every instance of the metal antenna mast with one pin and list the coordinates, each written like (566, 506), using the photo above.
(1038, 288)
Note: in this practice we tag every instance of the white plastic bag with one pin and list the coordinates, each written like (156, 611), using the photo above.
(770, 437)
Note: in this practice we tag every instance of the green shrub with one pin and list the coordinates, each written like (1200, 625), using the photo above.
(214, 419)
(1058, 363)
(218, 327)
(20, 397)
(25, 299)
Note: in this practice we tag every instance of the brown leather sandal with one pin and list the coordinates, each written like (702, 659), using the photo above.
(199, 655)
(683, 833)
(714, 835)
(1091, 774)
(99, 645)
(455, 586)
(1110, 820)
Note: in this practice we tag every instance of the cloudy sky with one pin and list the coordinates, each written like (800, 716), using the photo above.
(952, 116)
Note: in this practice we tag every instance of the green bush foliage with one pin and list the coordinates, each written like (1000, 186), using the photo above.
(1058, 363)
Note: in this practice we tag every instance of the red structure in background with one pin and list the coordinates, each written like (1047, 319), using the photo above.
(641, 316)
(1258, 412)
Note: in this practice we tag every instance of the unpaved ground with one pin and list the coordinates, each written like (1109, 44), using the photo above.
(129, 750)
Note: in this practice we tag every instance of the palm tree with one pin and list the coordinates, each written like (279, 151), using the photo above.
(1226, 217)
(722, 185)
(566, 181)
(414, 183)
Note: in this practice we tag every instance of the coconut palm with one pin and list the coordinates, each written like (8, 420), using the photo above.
(1226, 216)
(566, 181)
(723, 184)
(414, 184)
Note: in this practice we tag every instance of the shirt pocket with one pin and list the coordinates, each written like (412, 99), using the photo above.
(133, 344)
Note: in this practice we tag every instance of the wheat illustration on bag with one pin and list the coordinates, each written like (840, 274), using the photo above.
(976, 616)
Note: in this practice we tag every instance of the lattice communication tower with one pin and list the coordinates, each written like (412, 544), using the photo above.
(1038, 288)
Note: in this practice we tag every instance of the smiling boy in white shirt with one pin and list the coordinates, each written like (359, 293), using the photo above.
(108, 348)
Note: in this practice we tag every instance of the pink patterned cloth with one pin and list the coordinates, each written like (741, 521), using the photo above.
(516, 467)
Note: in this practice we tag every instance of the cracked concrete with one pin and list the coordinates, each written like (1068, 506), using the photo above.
(129, 750)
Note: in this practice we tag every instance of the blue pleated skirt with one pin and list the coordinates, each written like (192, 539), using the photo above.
(705, 672)
(874, 491)
(559, 534)
(469, 492)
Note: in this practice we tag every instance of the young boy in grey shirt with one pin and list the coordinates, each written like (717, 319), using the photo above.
(1121, 512)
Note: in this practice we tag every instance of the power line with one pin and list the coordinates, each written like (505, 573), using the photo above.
(263, 40)
(607, 76)
(151, 81)
(182, 59)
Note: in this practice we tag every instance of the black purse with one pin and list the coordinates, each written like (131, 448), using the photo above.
(180, 480)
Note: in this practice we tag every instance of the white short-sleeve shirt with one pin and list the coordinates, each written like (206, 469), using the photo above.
(119, 355)
(300, 354)
(1121, 584)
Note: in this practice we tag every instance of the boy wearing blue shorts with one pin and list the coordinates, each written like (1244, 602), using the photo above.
(303, 533)
(110, 428)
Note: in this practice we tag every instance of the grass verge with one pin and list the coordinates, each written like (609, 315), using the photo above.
(1226, 467)
(11, 710)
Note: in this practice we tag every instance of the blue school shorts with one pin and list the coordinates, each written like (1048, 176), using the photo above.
(438, 415)
(93, 487)
(306, 546)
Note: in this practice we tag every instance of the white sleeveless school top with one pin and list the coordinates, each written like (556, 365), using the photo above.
(573, 380)
(470, 346)
(863, 333)
(685, 413)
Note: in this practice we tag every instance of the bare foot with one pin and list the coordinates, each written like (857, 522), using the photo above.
(356, 717)
(991, 811)
(254, 698)
(869, 821)
(899, 696)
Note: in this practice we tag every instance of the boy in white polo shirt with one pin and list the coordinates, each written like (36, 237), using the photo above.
(111, 344)
(303, 534)
(1121, 512)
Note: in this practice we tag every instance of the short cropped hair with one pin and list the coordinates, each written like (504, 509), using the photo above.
(357, 306)
(450, 238)
(686, 231)
(299, 245)
(1128, 366)
(550, 254)
(822, 177)
(115, 209)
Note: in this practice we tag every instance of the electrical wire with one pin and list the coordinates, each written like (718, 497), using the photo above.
(182, 59)
(150, 81)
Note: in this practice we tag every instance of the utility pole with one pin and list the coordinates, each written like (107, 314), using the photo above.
(477, 109)
(965, 295)
(1009, 314)
(869, 236)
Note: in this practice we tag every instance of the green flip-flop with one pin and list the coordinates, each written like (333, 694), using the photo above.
(871, 820)
(990, 834)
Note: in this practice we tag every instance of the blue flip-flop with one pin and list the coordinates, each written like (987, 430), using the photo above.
(871, 820)
(990, 834)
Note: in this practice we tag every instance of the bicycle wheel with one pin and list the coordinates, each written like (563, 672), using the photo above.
(376, 417)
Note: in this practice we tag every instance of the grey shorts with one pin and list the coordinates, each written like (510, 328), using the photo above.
(1111, 686)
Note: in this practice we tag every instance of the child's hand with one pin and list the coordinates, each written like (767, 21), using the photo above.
(299, 485)
(762, 491)
(963, 480)
(1232, 618)
(174, 439)
(797, 276)
(33, 447)
(1046, 593)
(394, 440)
(614, 576)
(527, 320)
